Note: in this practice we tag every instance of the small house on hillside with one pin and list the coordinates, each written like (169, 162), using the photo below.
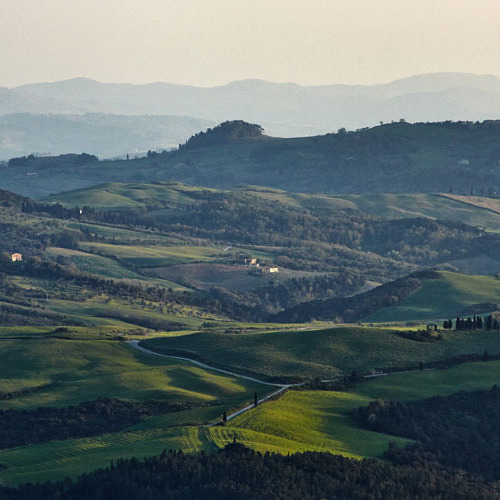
(251, 262)
(270, 269)
(17, 257)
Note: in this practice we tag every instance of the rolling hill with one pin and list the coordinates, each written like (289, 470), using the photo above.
(398, 157)
(450, 295)
(306, 354)
(423, 296)
(475, 211)
(330, 256)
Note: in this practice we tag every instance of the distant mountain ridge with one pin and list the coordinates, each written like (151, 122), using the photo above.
(283, 109)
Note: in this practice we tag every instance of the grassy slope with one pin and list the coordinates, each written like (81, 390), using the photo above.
(116, 195)
(316, 420)
(59, 459)
(82, 371)
(101, 310)
(85, 370)
(441, 298)
(434, 206)
(392, 206)
(94, 264)
(323, 353)
(306, 420)
(154, 255)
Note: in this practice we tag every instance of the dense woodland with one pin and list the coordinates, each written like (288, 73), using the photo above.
(460, 430)
(239, 473)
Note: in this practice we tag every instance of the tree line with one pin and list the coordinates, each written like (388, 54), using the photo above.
(238, 473)
(92, 418)
(474, 323)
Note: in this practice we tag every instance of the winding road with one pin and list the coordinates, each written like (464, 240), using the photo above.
(281, 387)
(135, 345)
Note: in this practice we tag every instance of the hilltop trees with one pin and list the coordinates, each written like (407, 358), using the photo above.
(225, 133)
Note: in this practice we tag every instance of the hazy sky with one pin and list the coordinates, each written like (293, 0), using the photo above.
(211, 42)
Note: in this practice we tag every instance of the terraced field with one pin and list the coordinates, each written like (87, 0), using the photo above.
(59, 459)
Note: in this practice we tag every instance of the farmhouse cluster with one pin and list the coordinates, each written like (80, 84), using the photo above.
(260, 267)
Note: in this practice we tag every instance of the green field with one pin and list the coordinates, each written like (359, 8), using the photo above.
(305, 421)
(94, 264)
(299, 421)
(442, 298)
(154, 255)
(434, 206)
(320, 421)
(62, 373)
(107, 267)
(58, 459)
(116, 195)
(321, 353)
(137, 237)
(68, 372)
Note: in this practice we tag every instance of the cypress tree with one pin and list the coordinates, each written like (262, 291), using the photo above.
(488, 322)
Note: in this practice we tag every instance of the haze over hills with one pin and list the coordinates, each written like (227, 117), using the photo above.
(105, 135)
(283, 109)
